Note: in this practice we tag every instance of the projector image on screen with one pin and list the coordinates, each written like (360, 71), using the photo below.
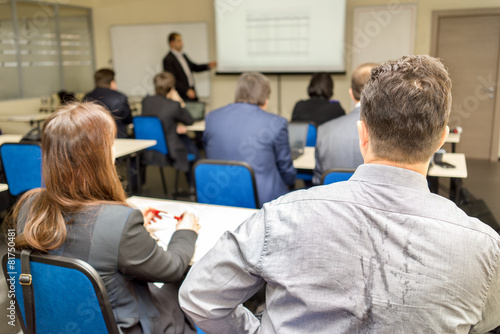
(280, 36)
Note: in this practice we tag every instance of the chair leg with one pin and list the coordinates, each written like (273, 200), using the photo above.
(176, 189)
(163, 181)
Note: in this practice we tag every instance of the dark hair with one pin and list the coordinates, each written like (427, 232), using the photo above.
(405, 106)
(172, 36)
(359, 78)
(253, 88)
(103, 77)
(321, 85)
(164, 82)
(78, 172)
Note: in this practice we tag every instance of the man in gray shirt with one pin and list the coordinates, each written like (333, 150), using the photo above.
(337, 144)
(376, 254)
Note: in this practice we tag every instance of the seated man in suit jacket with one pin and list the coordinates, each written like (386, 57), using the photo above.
(169, 108)
(181, 67)
(244, 131)
(106, 94)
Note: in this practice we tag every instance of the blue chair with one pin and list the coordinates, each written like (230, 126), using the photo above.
(336, 175)
(230, 183)
(68, 294)
(311, 135)
(306, 130)
(149, 127)
(22, 165)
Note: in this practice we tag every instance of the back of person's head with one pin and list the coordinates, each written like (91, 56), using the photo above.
(78, 172)
(321, 85)
(359, 78)
(103, 77)
(172, 36)
(253, 88)
(164, 82)
(405, 106)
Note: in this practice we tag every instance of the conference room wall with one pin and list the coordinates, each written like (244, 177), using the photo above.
(293, 87)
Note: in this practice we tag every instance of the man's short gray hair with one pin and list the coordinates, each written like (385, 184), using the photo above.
(253, 88)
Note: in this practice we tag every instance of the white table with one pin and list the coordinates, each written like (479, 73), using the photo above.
(454, 139)
(124, 147)
(10, 139)
(306, 160)
(198, 126)
(34, 119)
(456, 159)
(214, 220)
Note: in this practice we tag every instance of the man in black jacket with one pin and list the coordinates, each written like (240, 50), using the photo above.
(106, 94)
(181, 67)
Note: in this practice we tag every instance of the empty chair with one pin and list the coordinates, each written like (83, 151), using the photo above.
(336, 175)
(230, 183)
(68, 294)
(149, 127)
(298, 131)
(22, 165)
(311, 135)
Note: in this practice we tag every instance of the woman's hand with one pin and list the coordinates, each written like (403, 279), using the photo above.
(188, 221)
(150, 215)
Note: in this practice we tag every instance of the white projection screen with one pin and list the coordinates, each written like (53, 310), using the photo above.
(280, 36)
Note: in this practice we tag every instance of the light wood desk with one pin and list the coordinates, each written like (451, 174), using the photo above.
(124, 147)
(456, 159)
(198, 126)
(10, 139)
(306, 160)
(454, 139)
(33, 120)
(214, 220)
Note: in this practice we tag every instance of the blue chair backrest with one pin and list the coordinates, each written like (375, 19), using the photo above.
(311, 136)
(70, 296)
(149, 127)
(333, 176)
(22, 165)
(230, 183)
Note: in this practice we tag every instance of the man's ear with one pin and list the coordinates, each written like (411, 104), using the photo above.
(363, 137)
(352, 95)
(444, 136)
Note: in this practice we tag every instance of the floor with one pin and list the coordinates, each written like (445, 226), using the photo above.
(483, 182)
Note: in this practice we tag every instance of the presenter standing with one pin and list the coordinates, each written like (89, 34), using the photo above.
(182, 68)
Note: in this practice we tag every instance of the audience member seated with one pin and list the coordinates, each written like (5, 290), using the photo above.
(82, 213)
(168, 106)
(337, 142)
(244, 131)
(319, 108)
(376, 254)
(105, 93)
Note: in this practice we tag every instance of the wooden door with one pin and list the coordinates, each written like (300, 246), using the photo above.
(469, 44)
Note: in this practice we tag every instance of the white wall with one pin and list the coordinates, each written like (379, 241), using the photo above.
(293, 87)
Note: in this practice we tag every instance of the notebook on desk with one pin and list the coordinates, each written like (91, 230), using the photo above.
(196, 109)
(297, 135)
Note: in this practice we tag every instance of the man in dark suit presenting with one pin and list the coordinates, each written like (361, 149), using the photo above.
(181, 67)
